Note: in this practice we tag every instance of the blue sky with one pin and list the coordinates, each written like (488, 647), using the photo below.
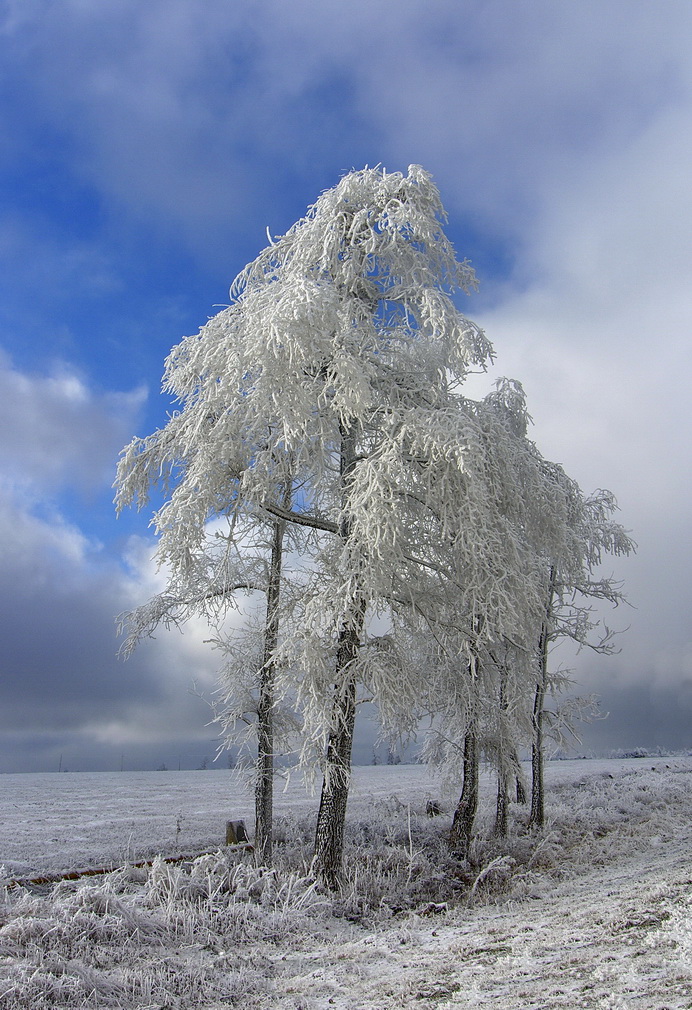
(144, 151)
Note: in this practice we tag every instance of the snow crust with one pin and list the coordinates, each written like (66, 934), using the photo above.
(593, 912)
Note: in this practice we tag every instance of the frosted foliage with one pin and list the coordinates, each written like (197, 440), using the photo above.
(345, 322)
(336, 375)
(341, 317)
(549, 541)
(235, 703)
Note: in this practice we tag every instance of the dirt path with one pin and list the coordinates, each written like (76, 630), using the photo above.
(619, 937)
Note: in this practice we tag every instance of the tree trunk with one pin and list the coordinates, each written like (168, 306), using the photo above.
(331, 818)
(519, 780)
(502, 806)
(264, 783)
(465, 813)
(537, 815)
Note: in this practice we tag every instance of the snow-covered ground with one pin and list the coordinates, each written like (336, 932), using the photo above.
(593, 912)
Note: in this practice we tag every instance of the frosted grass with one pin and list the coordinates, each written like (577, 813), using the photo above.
(593, 912)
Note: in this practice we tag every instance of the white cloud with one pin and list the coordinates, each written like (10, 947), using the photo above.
(56, 430)
(186, 114)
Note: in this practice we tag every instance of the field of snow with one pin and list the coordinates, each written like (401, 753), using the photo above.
(65, 821)
(593, 912)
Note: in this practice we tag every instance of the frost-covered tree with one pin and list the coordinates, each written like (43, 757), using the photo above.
(343, 351)
(247, 690)
(572, 584)
(327, 400)
(209, 590)
(491, 703)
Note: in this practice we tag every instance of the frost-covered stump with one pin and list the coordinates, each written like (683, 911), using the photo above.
(236, 833)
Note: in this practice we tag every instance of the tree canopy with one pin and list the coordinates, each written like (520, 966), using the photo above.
(327, 400)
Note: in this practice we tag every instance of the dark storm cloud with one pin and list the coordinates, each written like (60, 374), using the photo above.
(63, 689)
(62, 684)
(58, 630)
(648, 716)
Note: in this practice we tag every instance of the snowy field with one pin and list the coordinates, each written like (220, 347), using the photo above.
(593, 912)
(60, 822)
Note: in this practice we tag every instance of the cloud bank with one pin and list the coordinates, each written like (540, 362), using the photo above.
(145, 148)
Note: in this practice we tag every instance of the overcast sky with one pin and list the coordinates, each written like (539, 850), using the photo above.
(145, 148)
